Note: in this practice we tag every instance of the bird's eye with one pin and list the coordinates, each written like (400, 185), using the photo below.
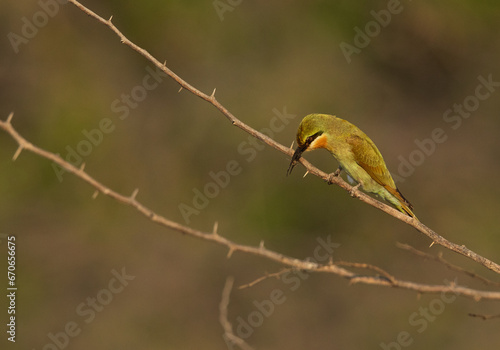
(311, 138)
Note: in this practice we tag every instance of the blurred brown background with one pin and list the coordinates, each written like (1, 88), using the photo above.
(261, 56)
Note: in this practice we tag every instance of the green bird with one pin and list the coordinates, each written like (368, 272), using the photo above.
(354, 151)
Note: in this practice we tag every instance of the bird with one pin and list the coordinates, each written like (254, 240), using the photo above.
(356, 154)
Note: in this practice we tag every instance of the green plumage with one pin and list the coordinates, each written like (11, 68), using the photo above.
(355, 152)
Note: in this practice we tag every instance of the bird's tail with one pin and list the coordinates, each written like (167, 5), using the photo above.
(406, 209)
(402, 203)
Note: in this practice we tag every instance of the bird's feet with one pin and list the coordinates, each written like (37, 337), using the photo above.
(333, 175)
(354, 189)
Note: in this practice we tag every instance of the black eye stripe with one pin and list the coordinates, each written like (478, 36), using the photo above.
(311, 138)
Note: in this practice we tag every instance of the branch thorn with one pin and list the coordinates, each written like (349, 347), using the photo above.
(9, 118)
(18, 152)
(94, 195)
(213, 94)
(82, 166)
(216, 226)
(134, 194)
(307, 172)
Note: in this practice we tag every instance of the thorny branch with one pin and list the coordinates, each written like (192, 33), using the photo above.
(436, 238)
(214, 237)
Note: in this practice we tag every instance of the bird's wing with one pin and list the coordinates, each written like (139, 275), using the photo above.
(369, 158)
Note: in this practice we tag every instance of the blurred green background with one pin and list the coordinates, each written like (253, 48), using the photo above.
(262, 57)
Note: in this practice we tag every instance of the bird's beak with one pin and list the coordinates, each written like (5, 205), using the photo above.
(296, 157)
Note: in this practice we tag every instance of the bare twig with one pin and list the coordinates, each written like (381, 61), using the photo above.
(377, 269)
(266, 276)
(223, 319)
(439, 258)
(437, 239)
(485, 317)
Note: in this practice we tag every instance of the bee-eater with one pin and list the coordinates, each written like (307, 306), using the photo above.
(354, 151)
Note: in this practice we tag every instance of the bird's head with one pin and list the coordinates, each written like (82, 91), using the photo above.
(310, 135)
